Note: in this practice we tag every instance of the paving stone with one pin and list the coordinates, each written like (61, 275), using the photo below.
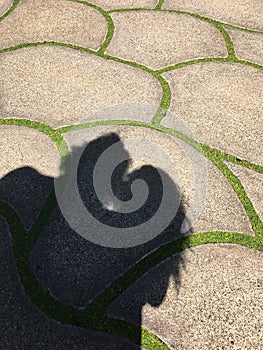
(118, 4)
(221, 103)
(48, 20)
(244, 13)
(253, 184)
(28, 166)
(248, 46)
(60, 86)
(4, 6)
(25, 327)
(177, 38)
(209, 297)
(73, 269)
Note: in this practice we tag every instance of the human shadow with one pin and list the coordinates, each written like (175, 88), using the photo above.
(72, 267)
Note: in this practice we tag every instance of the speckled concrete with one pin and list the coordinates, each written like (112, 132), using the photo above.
(218, 304)
(48, 20)
(221, 104)
(60, 86)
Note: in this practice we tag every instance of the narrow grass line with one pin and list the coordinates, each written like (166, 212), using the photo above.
(194, 61)
(233, 159)
(231, 59)
(159, 5)
(10, 10)
(241, 28)
(165, 101)
(228, 41)
(237, 186)
(198, 146)
(51, 43)
(110, 23)
(248, 63)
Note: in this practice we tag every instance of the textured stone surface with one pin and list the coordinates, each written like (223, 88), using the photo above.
(25, 327)
(222, 105)
(26, 156)
(253, 184)
(48, 20)
(61, 86)
(245, 13)
(248, 46)
(215, 304)
(137, 38)
(116, 4)
(75, 270)
(5, 5)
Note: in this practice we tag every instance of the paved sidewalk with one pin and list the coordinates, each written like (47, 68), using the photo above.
(131, 176)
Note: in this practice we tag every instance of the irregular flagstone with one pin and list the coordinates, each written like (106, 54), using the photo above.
(177, 38)
(47, 20)
(25, 327)
(73, 269)
(248, 46)
(60, 86)
(4, 6)
(209, 297)
(245, 13)
(119, 4)
(222, 105)
(29, 161)
(253, 184)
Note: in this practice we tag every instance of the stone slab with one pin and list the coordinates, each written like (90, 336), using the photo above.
(177, 38)
(221, 103)
(208, 297)
(245, 13)
(47, 20)
(73, 269)
(60, 86)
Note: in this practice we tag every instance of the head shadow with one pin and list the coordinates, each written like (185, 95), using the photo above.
(27, 190)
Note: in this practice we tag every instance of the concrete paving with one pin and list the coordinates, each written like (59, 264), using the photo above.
(145, 117)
